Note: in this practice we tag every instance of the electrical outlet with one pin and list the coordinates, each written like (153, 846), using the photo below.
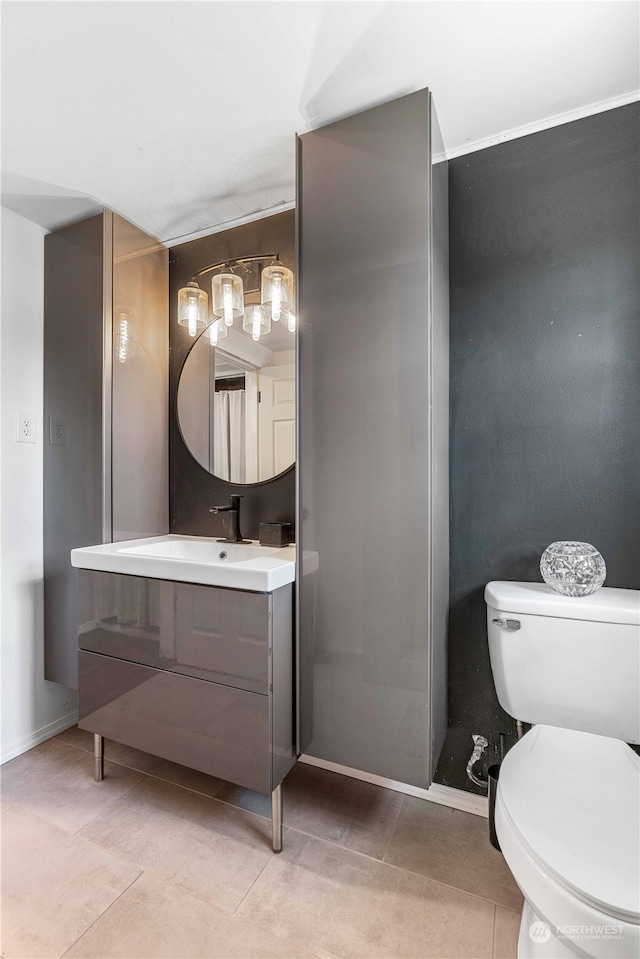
(57, 431)
(26, 431)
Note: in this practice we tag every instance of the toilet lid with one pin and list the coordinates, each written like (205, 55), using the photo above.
(574, 798)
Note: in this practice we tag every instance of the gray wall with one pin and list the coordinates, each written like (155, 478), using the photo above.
(544, 379)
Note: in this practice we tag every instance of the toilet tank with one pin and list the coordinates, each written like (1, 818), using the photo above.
(564, 661)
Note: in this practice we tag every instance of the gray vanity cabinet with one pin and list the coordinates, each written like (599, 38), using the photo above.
(199, 675)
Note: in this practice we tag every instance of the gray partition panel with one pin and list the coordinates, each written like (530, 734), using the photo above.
(364, 442)
(73, 474)
(439, 470)
(105, 414)
(283, 754)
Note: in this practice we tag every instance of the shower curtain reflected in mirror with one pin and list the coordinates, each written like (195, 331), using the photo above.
(229, 435)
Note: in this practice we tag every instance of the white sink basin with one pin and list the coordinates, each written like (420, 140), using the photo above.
(194, 559)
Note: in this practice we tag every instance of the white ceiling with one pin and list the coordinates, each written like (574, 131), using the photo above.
(182, 115)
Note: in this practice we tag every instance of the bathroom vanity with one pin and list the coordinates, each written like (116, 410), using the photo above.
(187, 653)
(177, 658)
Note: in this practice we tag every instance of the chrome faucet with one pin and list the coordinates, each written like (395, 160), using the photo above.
(233, 529)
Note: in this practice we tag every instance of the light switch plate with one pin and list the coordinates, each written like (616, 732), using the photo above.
(26, 428)
(57, 431)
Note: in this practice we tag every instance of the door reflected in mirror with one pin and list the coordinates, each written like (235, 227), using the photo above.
(236, 404)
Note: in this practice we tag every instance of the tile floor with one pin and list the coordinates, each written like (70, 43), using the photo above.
(161, 861)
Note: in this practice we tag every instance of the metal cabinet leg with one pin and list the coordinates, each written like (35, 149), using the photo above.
(276, 818)
(98, 757)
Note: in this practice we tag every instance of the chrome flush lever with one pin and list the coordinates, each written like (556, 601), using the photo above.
(511, 624)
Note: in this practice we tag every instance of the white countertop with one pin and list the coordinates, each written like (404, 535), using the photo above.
(194, 559)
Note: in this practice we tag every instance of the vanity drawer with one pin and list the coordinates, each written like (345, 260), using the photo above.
(217, 729)
(220, 635)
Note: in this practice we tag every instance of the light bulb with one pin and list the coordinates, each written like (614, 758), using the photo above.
(123, 348)
(257, 324)
(276, 303)
(124, 332)
(227, 302)
(228, 297)
(217, 330)
(192, 316)
(256, 321)
(291, 322)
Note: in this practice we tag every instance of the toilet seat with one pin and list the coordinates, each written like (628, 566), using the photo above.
(573, 800)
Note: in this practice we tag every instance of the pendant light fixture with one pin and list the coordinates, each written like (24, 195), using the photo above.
(192, 307)
(269, 296)
(228, 297)
(277, 290)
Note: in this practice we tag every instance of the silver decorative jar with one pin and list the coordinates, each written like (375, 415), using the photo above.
(573, 569)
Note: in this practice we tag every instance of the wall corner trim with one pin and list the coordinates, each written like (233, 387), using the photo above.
(538, 125)
(252, 217)
(443, 795)
(38, 736)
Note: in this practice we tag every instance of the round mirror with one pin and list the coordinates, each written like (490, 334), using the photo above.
(236, 404)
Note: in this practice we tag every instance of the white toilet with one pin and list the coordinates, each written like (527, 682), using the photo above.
(568, 800)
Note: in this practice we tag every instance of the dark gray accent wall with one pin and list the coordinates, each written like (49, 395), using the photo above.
(192, 489)
(544, 252)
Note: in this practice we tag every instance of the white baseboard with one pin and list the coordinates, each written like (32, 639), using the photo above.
(444, 795)
(38, 736)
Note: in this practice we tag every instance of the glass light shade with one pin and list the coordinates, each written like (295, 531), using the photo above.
(192, 308)
(228, 297)
(217, 330)
(573, 569)
(291, 321)
(256, 321)
(276, 290)
(124, 332)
